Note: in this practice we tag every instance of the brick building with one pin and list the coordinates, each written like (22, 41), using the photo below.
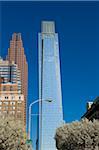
(16, 54)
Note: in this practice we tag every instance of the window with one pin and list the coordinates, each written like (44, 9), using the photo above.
(19, 97)
(19, 102)
(5, 103)
(12, 112)
(13, 108)
(18, 111)
(18, 108)
(6, 97)
(6, 108)
(13, 97)
(19, 115)
(12, 103)
(11, 88)
(4, 88)
(5, 112)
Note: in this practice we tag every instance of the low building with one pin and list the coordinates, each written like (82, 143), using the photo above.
(92, 110)
(11, 102)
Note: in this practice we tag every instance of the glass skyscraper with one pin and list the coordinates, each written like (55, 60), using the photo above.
(50, 114)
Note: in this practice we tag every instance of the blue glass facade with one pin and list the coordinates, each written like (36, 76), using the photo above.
(51, 114)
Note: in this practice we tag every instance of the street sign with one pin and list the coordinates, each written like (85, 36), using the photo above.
(28, 142)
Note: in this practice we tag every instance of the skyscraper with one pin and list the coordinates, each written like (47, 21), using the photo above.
(16, 54)
(51, 114)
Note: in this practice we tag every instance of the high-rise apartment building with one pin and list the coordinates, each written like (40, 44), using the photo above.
(11, 99)
(16, 54)
(51, 114)
(9, 72)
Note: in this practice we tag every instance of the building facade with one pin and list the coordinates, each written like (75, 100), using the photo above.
(50, 114)
(11, 99)
(9, 72)
(16, 54)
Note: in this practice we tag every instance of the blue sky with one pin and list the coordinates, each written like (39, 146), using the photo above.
(78, 26)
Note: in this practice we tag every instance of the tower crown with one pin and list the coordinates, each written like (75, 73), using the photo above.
(16, 36)
(48, 27)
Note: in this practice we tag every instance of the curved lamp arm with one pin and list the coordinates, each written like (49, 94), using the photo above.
(30, 106)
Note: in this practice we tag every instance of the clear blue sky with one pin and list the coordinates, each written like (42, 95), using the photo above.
(78, 26)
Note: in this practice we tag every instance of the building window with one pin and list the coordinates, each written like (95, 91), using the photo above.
(19, 97)
(12, 103)
(11, 88)
(18, 108)
(6, 97)
(18, 111)
(5, 103)
(12, 112)
(13, 108)
(5, 112)
(6, 108)
(19, 115)
(13, 97)
(19, 102)
(4, 88)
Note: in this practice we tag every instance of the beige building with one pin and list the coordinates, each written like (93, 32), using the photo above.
(12, 101)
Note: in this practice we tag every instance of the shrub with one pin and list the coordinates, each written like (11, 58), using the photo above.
(78, 135)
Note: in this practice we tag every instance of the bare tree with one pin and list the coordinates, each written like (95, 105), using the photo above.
(78, 135)
(12, 135)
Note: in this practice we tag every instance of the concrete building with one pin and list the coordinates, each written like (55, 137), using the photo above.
(11, 98)
(11, 103)
(16, 54)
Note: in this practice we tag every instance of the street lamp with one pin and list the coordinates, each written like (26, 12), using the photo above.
(30, 106)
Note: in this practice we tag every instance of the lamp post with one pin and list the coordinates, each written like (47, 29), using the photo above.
(30, 106)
